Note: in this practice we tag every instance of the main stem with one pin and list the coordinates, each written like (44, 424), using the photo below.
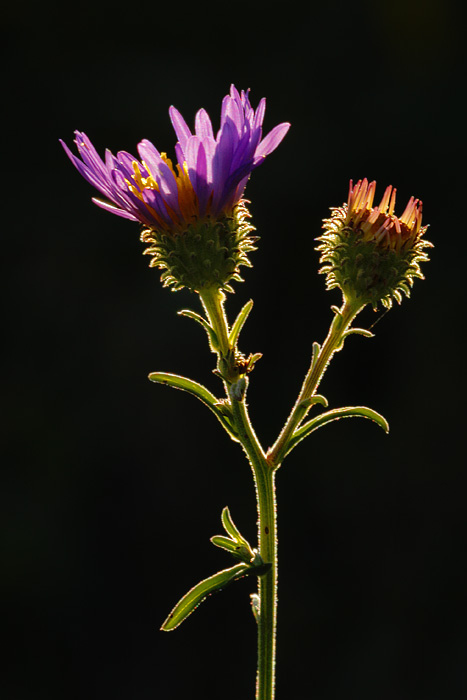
(267, 540)
(263, 475)
(267, 585)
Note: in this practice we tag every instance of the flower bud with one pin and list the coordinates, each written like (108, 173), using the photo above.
(368, 252)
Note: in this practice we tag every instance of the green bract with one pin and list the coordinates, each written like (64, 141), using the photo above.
(206, 255)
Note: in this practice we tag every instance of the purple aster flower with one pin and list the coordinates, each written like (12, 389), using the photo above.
(208, 180)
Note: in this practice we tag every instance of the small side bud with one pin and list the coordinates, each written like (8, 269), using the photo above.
(238, 389)
(369, 253)
(255, 605)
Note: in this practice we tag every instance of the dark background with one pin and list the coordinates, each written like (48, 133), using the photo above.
(112, 486)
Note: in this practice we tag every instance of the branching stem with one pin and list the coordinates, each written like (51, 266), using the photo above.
(340, 324)
(264, 466)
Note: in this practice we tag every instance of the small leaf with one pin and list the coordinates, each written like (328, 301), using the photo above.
(225, 543)
(178, 382)
(201, 591)
(212, 337)
(230, 527)
(312, 400)
(315, 354)
(239, 323)
(252, 360)
(360, 331)
(237, 549)
(336, 414)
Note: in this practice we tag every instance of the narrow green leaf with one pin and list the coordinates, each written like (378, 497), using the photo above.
(360, 331)
(225, 543)
(212, 337)
(239, 323)
(237, 549)
(178, 382)
(336, 414)
(201, 591)
(230, 527)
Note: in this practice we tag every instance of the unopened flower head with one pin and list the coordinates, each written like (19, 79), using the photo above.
(368, 252)
(193, 214)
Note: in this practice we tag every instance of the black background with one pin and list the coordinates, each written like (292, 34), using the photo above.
(112, 486)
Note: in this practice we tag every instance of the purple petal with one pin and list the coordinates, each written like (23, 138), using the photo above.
(168, 186)
(259, 114)
(236, 177)
(225, 102)
(191, 152)
(235, 95)
(249, 112)
(161, 173)
(202, 187)
(180, 126)
(233, 114)
(203, 125)
(179, 152)
(122, 196)
(110, 160)
(149, 153)
(89, 175)
(126, 161)
(239, 190)
(222, 161)
(114, 210)
(197, 169)
(154, 200)
(271, 141)
(89, 155)
(209, 146)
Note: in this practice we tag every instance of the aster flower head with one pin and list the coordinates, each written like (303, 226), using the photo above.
(193, 214)
(368, 252)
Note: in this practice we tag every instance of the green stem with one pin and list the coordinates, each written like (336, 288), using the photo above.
(213, 302)
(267, 585)
(340, 324)
(263, 474)
(267, 543)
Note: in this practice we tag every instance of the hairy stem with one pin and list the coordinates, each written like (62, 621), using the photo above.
(267, 545)
(213, 302)
(339, 326)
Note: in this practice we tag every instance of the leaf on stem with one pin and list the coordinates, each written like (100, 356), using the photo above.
(336, 414)
(236, 544)
(178, 382)
(360, 331)
(237, 549)
(239, 323)
(312, 400)
(201, 591)
(212, 337)
(230, 527)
